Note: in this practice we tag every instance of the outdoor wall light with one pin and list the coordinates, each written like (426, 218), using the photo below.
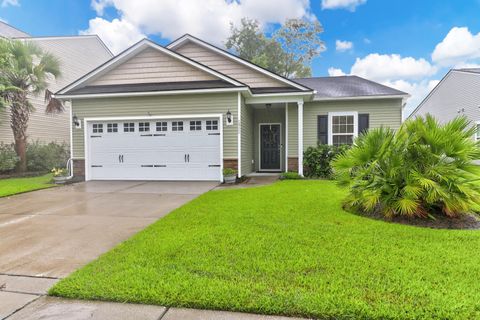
(229, 118)
(76, 122)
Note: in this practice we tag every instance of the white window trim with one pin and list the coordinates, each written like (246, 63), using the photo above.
(477, 133)
(346, 113)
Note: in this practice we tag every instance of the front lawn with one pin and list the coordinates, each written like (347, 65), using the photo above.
(13, 186)
(288, 249)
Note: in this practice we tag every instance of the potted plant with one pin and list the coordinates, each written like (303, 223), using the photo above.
(229, 175)
(59, 175)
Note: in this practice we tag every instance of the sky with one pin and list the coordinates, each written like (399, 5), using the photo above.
(409, 45)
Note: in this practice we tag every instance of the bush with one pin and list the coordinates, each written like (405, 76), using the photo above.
(317, 160)
(8, 157)
(229, 172)
(421, 170)
(290, 176)
(44, 157)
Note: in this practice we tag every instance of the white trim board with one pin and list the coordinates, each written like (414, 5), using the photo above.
(239, 134)
(204, 44)
(132, 51)
(260, 146)
(181, 116)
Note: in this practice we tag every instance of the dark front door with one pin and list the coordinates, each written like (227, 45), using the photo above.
(270, 147)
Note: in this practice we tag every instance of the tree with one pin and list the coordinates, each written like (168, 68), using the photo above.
(289, 52)
(26, 71)
(300, 39)
(424, 168)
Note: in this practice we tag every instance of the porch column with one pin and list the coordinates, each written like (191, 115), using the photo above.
(300, 137)
(286, 137)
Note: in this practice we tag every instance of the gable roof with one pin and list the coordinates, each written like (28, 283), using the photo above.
(474, 71)
(348, 87)
(8, 31)
(131, 52)
(187, 37)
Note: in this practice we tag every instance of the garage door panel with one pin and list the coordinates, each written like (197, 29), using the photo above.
(152, 150)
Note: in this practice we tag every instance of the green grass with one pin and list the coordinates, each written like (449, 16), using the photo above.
(13, 186)
(288, 249)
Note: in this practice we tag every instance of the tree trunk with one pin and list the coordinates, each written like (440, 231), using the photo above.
(19, 115)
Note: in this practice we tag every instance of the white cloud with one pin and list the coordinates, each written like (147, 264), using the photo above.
(343, 45)
(458, 47)
(6, 3)
(335, 72)
(209, 20)
(342, 4)
(383, 67)
(117, 34)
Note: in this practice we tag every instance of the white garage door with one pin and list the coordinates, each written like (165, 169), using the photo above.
(173, 149)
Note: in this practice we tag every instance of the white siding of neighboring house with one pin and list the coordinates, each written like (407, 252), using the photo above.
(457, 94)
(78, 55)
(152, 66)
(229, 67)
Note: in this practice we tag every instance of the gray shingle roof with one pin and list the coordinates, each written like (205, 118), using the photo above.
(150, 87)
(347, 86)
(7, 31)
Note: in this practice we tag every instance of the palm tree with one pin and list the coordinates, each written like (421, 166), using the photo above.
(25, 71)
(424, 168)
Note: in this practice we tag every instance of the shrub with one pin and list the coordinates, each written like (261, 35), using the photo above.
(229, 172)
(423, 169)
(8, 157)
(44, 157)
(317, 160)
(290, 176)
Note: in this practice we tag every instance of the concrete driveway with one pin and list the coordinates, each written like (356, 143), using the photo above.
(45, 235)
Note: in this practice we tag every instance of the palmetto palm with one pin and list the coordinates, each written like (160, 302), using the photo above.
(421, 169)
(26, 70)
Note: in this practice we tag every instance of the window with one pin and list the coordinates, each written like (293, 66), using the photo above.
(212, 124)
(144, 126)
(177, 125)
(343, 128)
(477, 135)
(97, 128)
(195, 125)
(112, 127)
(129, 127)
(162, 126)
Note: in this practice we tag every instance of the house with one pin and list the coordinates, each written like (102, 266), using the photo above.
(457, 94)
(187, 110)
(78, 55)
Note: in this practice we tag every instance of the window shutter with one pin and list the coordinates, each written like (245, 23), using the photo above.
(363, 122)
(322, 129)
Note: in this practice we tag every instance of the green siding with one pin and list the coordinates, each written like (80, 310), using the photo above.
(247, 139)
(383, 112)
(274, 115)
(157, 106)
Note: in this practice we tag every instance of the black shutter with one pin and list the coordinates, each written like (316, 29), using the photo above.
(322, 129)
(363, 122)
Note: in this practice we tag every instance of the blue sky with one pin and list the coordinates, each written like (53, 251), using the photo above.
(406, 44)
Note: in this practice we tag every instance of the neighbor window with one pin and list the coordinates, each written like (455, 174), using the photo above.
(477, 135)
(162, 126)
(212, 124)
(177, 125)
(97, 128)
(342, 128)
(112, 127)
(144, 126)
(129, 127)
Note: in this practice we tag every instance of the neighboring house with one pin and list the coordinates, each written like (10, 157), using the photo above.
(457, 94)
(185, 111)
(78, 55)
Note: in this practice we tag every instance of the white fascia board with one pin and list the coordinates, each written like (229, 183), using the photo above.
(135, 49)
(181, 40)
(279, 98)
(150, 93)
(364, 98)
